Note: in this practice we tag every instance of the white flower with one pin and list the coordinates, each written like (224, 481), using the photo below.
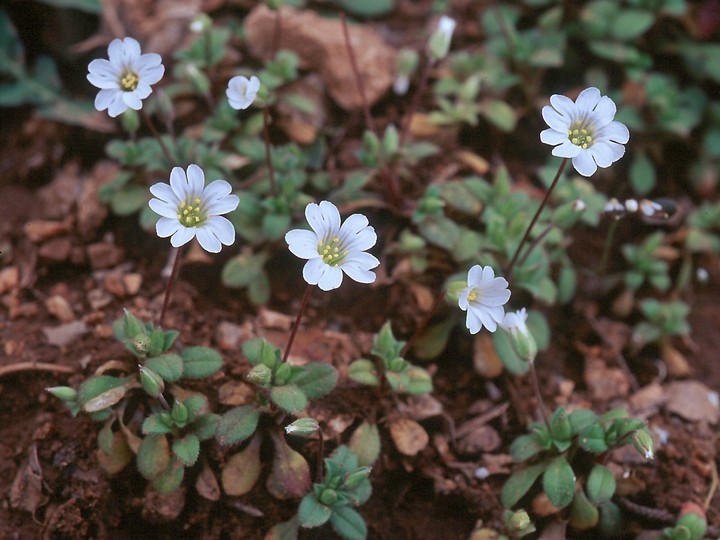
(483, 299)
(332, 248)
(190, 209)
(124, 80)
(584, 130)
(241, 91)
(515, 322)
(439, 43)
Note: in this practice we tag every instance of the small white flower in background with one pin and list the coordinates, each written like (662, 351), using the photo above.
(333, 248)
(584, 130)
(483, 299)
(241, 91)
(439, 43)
(189, 209)
(522, 341)
(515, 322)
(124, 80)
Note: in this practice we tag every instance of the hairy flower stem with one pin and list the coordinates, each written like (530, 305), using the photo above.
(305, 299)
(608, 244)
(370, 123)
(535, 242)
(170, 284)
(509, 271)
(268, 155)
(538, 395)
(166, 152)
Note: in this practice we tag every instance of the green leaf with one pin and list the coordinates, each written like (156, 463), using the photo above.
(365, 443)
(348, 523)
(419, 381)
(205, 426)
(509, 358)
(317, 380)
(581, 419)
(103, 391)
(367, 8)
(520, 483)
(237, 424)
(433, 340)
(363, 371)
(440, 231)
(129, 200)
(583, 514)
(153, 456)
(155, 423)
(259, 290)
(610, 520)
(600, 484)
(288, 397)
(523, 448)
(313, 513)
(187, 449)
(261, 351)
(168, 366)
(631, 23)
(642, 174)
(15, 94)
(287, 530)
(171, 478)
(499, 113)
(241, 271)
(200, 362)
(559, 482)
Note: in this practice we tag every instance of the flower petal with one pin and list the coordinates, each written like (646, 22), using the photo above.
(207, 239)
(117, 105)
(615, 131)
(331, 216)
(179, 184)
(302, 243)
(584, 163)
(566, 150)
(195, 180)
(587, 99)
(605, 111)
(222, 228)
(475, 276)
(223, 206)
(565, 106)
(163, 208)
(555, 120)
(167, 227)
(473, 322)
(132, 100)
(331, 279)
(553, 137)
(104, 99)
(165, 193)
(182, 236)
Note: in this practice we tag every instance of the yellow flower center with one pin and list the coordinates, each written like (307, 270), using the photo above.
(191, 213)
(472, 296)
(331, 251)
(581, 135)
(129, 81)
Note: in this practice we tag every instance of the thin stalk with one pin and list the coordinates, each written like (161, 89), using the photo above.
(538, 395)
(608, 243)
(356, 73)
(509, 271)
(305, 299)
(535, 242)
(268, 155)
(166, 152)
(170, 284)
(320, 473)
(421, 327)
(415, 102)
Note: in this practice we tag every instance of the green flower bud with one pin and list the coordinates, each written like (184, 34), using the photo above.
(179, 414)
(354, 478)
(63, 392)
(132, 325)
(151, 382)
(303, 427)
(398, 365)
(282, 374)
(643, 443)
(518, 523)
(439, 43)
(407, 61)
(141, 344)
(260, 375)
(453, 291)
(328, 497)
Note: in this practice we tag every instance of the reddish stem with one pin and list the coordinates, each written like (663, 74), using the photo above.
(305, 299)
(171, 283)
(356, 73)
